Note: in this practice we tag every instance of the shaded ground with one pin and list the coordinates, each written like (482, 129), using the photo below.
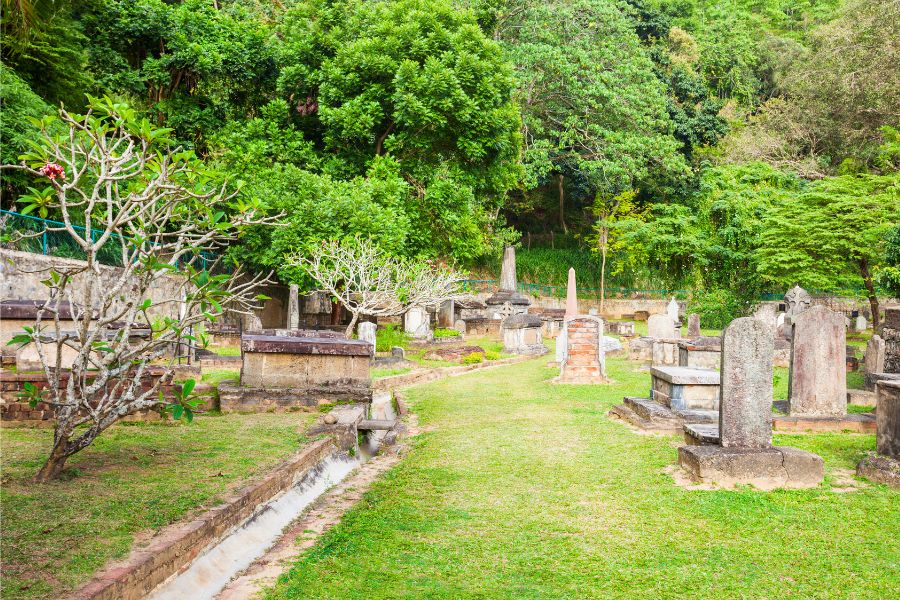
(519, 488)
(135, 479)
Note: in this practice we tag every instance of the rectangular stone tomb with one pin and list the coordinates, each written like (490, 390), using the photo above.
(522, 335)
(475, 326)
(664, 352)
(685, 387)
(883, 465)
(289, 372)
(700, 353)
(648, 415)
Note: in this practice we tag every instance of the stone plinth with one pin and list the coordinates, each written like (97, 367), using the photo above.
(622, 328)
(699, 353)
(584, 361)
(685, 387)
(661, 327)
(664, 352)
(764, 468)
(522, 334)
(284, 372)
(818, 377)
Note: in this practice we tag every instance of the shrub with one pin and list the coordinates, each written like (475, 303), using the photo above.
(717, 308)
(489, 355)
(473, 359)
(389, 336)
(443, 332)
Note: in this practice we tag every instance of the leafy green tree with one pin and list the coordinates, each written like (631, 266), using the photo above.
(592, 108)
(18, 104)
(832, 235)
(888, 274)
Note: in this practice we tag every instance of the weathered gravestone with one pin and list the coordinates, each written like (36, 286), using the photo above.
(507, 301)
(890, 333)
(739, 451)
(817, 386)
(883, 466)
(585, 360)
(366, 331)
(417, 323)
(661, 327)
(672, 310)
(860, 324)
(293, 316)
(693, 325)
(874, 360)
(446, 314)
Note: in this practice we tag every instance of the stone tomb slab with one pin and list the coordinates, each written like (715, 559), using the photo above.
(648, 415)
(682, 388)
(764, 468)
(817, 385)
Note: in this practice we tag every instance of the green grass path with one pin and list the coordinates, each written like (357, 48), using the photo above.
(519, 488)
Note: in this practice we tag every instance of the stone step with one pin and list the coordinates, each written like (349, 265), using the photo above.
(699, 434)
(647, 409)
(690, 415)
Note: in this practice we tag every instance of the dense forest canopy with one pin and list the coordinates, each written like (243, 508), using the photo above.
(728, 147)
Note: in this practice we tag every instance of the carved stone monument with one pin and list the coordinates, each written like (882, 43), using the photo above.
(293, 317)
(874, 360)
(661, 327)
(522, 334)
(571, 312)
(672, 310)
(797, 301)
(417, 322)
(366, 331)
(507, 301)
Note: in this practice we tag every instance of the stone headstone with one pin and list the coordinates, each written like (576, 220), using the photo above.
(562, 344)
(661, 327)
(253, 323)
(745, 406)
(672, 310)
(416, 322)
(293, 320)
(888, 419)
(817, 386)
(446, 314)
(860, 323)
(779, 325)
(366, 331)
(571, 296)
(693, 326)
(585, 361)
(398, 352)
(874, 360)
(611, 344)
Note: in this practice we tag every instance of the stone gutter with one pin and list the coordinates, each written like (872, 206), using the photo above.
(175, 547)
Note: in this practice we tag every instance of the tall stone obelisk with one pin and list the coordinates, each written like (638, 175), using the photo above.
(507, 301)
(562, 342)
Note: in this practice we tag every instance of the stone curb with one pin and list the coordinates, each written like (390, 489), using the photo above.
(387, 384)
(176, 546)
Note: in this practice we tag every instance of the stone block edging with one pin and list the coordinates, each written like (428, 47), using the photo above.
(394, 382)
(177, 545)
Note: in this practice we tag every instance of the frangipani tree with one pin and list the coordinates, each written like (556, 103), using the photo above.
(117, 182)
(368, 281)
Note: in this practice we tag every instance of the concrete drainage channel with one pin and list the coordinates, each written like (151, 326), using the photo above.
(198, 559)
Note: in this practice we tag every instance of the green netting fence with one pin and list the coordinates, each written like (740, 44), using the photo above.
(32, 234)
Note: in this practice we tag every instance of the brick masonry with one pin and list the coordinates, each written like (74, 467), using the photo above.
(584, 358)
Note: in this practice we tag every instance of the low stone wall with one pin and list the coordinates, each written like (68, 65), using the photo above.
(178, 545)
(14, 412)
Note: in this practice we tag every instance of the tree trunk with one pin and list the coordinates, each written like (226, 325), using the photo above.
(873, 297)
(55, 463)
(562, 204)
(349, 331)
(603, 237)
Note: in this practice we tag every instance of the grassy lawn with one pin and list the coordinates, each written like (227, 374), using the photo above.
(381, 372)
(136, 477)
(519, 488)
(489, 345)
